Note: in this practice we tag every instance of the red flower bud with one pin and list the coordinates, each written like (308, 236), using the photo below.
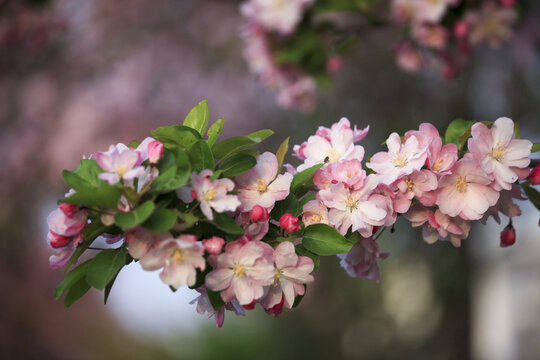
(508, 235)
(244, 239)
(276, 310)
(461, 29)
(251, 305)
(57, 241)
(68, 209)
(289, 223)
(258, 213)
(334, 64)
(155, 151)
(534, 177)
(213, 245)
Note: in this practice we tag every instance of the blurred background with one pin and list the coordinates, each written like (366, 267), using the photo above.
(78, 75)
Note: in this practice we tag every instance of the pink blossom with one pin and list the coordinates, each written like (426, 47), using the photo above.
(155, 151)
(262, 185)
(430, 35)
(314, 212)
(213, 245)
(140, 241)
(119, 162)
(498, 154)
(213, 194)
(258, 213)
(255, 229)
(242, 271)
(466, 192)
(349, 172)
(63, 225)
(142, 149)
(441, 158)
(289, 223)
(409, 58)
(505, 204)
(179, 259)
(331, 145)
(290, 274)
(419, 185)
(436, 225)
(60, 258)
(491, 24)
(334, 63)
(361, 260)
(359, 207)
(204, 306)
(275, 15)
(400, 160)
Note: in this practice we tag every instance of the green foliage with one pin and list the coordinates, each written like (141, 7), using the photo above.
(131, 219)
(304, 177)
(198, 117)
(281, 152)
(73, 277)
(535, 148)
(232, 145)
(324, 240)
(105, 195)
(237, 164)
(214, 131)
(227, 224)
(176, 135)
(215, 299)
(161, 220)
(532, 194)
(458, 132)
(76, 291)
(104, 267)
(85, 176)
(201, 156)
(288, 205)
(174, 170)
(90, 233)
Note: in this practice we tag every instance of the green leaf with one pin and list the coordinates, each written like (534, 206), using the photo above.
(302, 251)
(108, 289)
(128, 220)
(303, 177)
(105, 266)
(134, 144)
(85, 176)
(174, 170)
(176, 135)
(215, 299)
(188, 220)
(281, 152)
(78, 289)
(106, 195)
(456, 129)
(229, 146)
(288, 205)
(227, 224)
(90, 233)
(214, 131)
(237, 164)
(161, 220)
(516, 130)
(198, 117)
(322, 239)
(201, 156)
(532, 194)
(306, 199)
(535, 148)
(70, 279)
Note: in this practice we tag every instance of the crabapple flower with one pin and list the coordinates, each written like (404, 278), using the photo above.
(361, 260)
(290, 274)
(359, 207)
(349, 172)
(401, 159)
(314, 212)
(213, 245)
(491, 24)
(213, 194)
(262, 185)
(466, 192)
(204, 306)
(281, 16)
(409, 58)
(242, 271)
(155, 151)
(499, 155)
(119, 162)
(430, 35)
(289, 223)
(255, 229)
(179, 259)
(331, 145)
(60, 258)
(140, 241)
(505, 205)
(419, 185)
(441, 158)
(436, 225)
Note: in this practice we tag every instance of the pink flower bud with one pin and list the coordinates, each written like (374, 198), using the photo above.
(68, 209)
(155, 151)
(461, 29)
(289, 223)
(534, 177)
(57, 241)
(334, 64)
(213, 245)
(258, 213)
(508, 236)
(251, 305)
(277, 309)
(244, 239)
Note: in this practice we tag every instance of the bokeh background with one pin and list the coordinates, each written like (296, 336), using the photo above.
(77, 75)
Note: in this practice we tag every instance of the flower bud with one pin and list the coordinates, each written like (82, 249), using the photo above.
(508, 235)
(508, 3)
(258, 213)
(213, 245)
(334, 64)
(289, 223)
(534, 177)
(251, 305)
(244, 239)
(57, 241)
(68, 209)
(155, 151)
(277, 309)
(461, 29)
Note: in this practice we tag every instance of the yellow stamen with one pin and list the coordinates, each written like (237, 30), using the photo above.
(277, 277)
(316, 218)
(261, 185)
(352, 202)
(410, 184)
(178, 256)
(498, 151)
(121, 171)
(438, 165)
(461, 184)
(239, 270)
(333, 156)
(210, 194)
(400, 159)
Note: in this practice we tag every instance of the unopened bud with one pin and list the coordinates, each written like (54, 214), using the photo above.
(534, 177)
(155, 151)
(57, 241)
(251, 305)
(508, 235)
(461, 29)
(68, 209)
(289, 223)
(258, 213)
(277, 309)
(213, 245)
(244, 239)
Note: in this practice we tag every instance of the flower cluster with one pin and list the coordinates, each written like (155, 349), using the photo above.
(224, 220)
(293, 45)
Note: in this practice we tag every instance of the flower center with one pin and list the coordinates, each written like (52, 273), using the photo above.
(333, 156)
(121, 170)
(352, 201)
(316, 218)
(461, 184)
(498, 152)
(239, 270)
(177, 256)
(261, 186)
(410, 184)
(277, 277)
(438, 165)
(400, 159)
(210, 194)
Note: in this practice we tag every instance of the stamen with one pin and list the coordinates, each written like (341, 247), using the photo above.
(210, 194)
(400, 159)
(239, 270)
(461, 184)
(498, 151)
(438, 165)
(261, 185)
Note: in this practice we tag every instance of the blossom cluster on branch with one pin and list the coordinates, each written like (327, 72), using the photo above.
(225, 220)
(293, 45)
